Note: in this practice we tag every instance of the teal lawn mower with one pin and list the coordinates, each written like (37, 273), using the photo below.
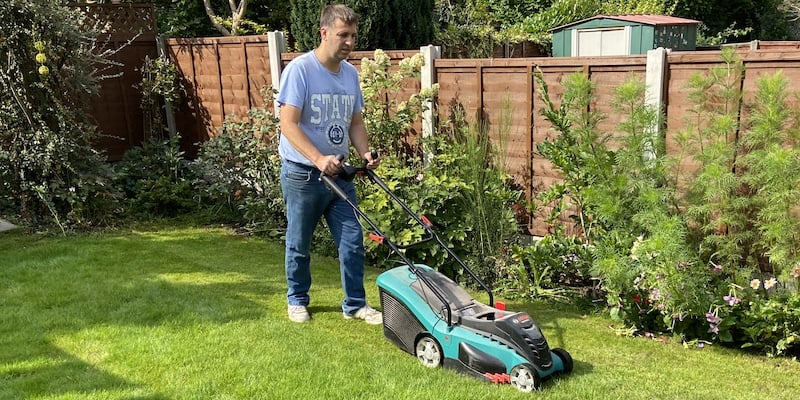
(430, 316)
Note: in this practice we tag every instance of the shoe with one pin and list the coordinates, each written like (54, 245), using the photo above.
(299, 314)
(368, 314)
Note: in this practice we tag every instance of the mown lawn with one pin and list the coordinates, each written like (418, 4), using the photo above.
(199, 313)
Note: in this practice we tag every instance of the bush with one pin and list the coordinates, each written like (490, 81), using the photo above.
(155, 179)
(237, 172)
(686, 251)
(54, 176)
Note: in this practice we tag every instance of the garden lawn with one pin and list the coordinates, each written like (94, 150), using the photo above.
(200, 313)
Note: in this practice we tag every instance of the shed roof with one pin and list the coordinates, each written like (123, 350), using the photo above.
(646, 19)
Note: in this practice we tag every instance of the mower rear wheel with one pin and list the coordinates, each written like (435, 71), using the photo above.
(428, 351)
(525, 378)
(566, 359)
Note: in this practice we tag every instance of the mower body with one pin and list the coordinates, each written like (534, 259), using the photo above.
(473, 338)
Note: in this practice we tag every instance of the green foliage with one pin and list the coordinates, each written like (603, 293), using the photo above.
(52, 176)
(765, 18)
(188, 18)
(454, 178)
(237, 171)
(156, 179)
(389, 120)
(436, 191)
(161, 91)
(772, 326)
(383, 24)
(771, 171)
(703, 234)
(555, 267)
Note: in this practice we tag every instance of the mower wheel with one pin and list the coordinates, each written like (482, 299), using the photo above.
(428, 351)
(525, 378)
(566, 359)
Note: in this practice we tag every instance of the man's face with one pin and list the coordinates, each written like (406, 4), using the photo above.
(339, 39)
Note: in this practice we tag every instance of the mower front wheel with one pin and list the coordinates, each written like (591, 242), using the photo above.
(525, 378)
(428, 351)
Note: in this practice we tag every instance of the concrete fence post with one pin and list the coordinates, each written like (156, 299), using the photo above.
(427, 79)
(655, 90)
(277, 45)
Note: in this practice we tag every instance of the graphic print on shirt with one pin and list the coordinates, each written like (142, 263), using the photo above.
(331, 113)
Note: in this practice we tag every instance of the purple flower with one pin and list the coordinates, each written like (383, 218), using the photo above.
(732, 300)
(712, 318)
(714, 328)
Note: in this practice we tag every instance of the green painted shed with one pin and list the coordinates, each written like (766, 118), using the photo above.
(615, 35)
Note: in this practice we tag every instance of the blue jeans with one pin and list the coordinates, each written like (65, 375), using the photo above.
(307, 200)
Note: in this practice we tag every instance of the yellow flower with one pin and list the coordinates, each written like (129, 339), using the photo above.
(39, 46)
(43, 70)
(41, 58)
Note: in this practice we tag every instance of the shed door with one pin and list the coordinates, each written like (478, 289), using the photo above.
(601, 42)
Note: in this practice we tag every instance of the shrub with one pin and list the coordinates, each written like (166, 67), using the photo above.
(686, 250)
(54, 176)
(155, 179)
(237, 172)
(453, 178)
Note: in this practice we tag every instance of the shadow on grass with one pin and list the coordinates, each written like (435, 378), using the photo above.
(61, 374)
(68, 286)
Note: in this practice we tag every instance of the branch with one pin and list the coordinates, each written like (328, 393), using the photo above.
(213, 17)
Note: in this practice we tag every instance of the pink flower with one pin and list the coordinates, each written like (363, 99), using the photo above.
(770, 283)
(796, 270)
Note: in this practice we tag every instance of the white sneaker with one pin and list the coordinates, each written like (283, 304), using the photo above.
(299, 314)
(368, 314)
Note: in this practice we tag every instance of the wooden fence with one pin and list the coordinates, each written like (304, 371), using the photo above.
(116, 110)
(223, 77)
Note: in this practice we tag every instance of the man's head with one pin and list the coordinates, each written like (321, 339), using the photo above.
(332, 12)
(338, 27)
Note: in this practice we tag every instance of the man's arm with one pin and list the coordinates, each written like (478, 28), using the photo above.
(290, 129)
(358, 137)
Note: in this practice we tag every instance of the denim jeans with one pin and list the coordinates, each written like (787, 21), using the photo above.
(307, 200)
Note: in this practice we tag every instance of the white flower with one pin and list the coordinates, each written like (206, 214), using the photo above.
(770, 283)
(755, 284)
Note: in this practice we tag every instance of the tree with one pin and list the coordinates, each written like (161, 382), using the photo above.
(765, 18)
(237, 15)
(51, 64)
(382, 24)
(791, 8)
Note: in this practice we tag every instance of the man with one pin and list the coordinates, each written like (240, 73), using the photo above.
(320, 111)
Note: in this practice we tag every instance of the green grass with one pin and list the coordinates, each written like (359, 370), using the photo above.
(185, 313)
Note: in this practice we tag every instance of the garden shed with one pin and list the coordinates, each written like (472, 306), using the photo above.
(618, 35)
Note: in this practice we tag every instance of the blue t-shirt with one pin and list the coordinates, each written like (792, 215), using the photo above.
(327, 100)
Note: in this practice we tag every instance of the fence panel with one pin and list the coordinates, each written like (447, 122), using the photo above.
(116, 109)
(222, 76)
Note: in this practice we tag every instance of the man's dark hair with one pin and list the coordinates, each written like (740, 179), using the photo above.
(332, 12)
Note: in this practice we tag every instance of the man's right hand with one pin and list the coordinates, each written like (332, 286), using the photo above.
(329, 165)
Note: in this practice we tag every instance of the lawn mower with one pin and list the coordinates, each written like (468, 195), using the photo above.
(429, 315)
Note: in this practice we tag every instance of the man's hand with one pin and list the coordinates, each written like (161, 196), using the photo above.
(329, 165)
(372, 159)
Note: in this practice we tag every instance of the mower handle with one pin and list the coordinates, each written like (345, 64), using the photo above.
(348, 171)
